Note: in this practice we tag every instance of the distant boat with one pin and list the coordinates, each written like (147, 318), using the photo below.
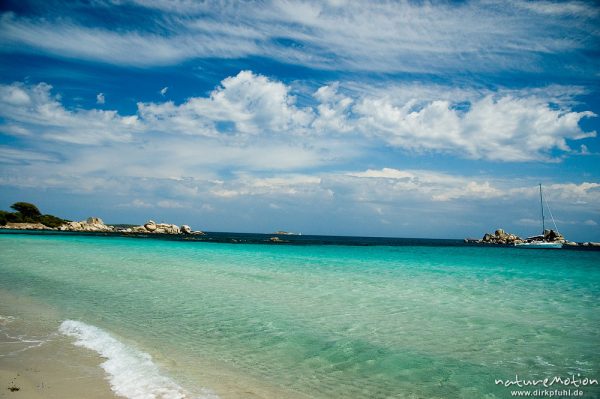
(539, 245)
(286, 233)
(538, 242)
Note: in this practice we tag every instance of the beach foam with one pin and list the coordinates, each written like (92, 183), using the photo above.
(132, 373)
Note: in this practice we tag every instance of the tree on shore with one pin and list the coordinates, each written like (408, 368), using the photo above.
(28, 213)
(26, 209)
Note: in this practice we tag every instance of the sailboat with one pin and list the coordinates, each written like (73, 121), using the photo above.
(538, 242)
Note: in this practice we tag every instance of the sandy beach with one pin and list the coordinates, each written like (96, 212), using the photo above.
(38, 362)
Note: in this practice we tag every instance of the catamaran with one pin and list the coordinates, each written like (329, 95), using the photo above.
(538, 241)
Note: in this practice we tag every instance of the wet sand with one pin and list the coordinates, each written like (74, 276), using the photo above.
(38, 362)
(52, 371)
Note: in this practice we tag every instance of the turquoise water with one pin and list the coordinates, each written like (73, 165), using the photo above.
(325, 321)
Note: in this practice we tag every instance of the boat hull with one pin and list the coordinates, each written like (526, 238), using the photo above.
(540, 245)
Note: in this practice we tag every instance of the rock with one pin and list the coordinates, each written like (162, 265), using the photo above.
(185, 229)
(500, 237)
(553, 236)
(165, 228)
(94, 220)
(26, 226)
(157, 228)
(91, 224)
(150, 226)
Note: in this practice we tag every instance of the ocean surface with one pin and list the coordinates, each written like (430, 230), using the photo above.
(325, 318)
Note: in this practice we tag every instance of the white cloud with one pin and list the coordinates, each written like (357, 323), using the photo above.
(76, 41)
(575, 194)
(559, 8)
(252, 104)
(283, 185)
(136, 203)
(385, 173)
(100, 98)
(408, 201)
(34, 109)
(373, 36)
(334, 110)
(439, 186)
(256, 120)
(14, 95)
(590, 222)
(19, 156)
(499, 128)
(429, 185)
(528, 222)
(171, 204)
(163, 91)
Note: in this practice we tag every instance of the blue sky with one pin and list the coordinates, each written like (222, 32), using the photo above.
(408, 118)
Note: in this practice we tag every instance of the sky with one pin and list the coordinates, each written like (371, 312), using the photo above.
(396, 118)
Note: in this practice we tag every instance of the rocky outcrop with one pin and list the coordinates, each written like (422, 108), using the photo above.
(91, 224)
(553, 236)
(26, 226)
(151, 227)
(165, 228)
(591, 244)
(502, 237)
(95, 224)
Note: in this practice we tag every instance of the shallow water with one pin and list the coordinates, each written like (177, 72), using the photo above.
(323, 321)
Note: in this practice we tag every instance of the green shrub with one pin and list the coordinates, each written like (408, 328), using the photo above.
(3, 219)
(50, 220)
(14, 217)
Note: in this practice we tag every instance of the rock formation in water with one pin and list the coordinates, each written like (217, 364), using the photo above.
(501, 237)
(92, 224)
(152, 227)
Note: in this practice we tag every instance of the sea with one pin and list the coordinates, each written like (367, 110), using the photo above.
(242, 316)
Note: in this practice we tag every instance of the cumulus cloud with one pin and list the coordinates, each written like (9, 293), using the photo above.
(250, 110)
(33, 108)
(246, 103)
(499, 128)
(163, 91)
(100, 98)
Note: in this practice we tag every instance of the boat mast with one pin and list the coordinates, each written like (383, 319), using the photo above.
(542, 207)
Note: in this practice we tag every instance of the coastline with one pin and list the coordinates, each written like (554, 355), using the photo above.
(37, 362)
(294, 240)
